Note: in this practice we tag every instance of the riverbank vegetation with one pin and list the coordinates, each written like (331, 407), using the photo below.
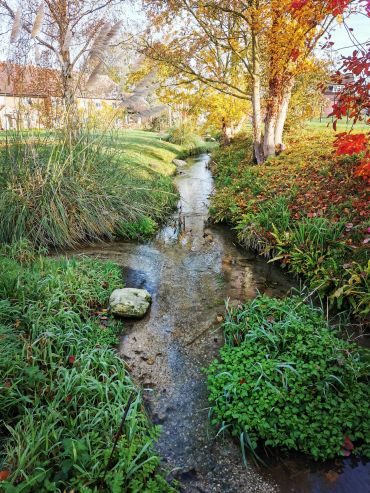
(285, 378)
(305, 208)
(64, 390)
(104, 186)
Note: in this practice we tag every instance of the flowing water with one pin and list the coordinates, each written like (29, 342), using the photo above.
(190, 269)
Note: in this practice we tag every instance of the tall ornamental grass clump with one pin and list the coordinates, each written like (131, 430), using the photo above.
(63, 390)
(284, 378)
(54, 193)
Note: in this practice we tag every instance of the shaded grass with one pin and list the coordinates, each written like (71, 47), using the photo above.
(64, 390)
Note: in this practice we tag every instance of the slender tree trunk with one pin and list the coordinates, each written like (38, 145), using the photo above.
(282, 114)
(69, 100)
(269, 136)
(256, 104)
(272, 110)
(225, 137)
(239, 126)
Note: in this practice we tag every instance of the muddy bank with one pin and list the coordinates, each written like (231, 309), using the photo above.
(190, 269)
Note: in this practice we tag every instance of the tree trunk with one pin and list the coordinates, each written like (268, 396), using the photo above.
(269, 136)
(256, 104)
(282, 114)
(239, 126)
(225, 137)
(69, 99)
(272, 109)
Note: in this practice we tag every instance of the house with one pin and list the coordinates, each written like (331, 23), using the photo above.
(332, 90)
(30, 97)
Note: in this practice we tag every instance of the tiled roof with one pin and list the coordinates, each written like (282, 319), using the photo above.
(31, 81)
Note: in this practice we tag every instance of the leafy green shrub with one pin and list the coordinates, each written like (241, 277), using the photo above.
(269, 214)
(286, 379)
(63, 391)
(53, 194)
(355, 289)
(140, 229)
(193, 144)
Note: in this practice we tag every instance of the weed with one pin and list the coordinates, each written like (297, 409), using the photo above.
(56, 195)
(305, 208)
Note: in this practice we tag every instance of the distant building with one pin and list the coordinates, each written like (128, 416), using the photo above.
(31, 96)
(332, 90)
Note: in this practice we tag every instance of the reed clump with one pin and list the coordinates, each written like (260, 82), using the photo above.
(57, 194)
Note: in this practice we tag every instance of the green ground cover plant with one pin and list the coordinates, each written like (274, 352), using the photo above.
(304, 208)
(285, 378)
(63, 389)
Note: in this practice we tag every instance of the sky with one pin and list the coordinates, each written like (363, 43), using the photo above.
(361, 29)
(340, 37)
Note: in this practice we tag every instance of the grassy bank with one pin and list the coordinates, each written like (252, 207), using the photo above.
(63, 390)
(286, 379)
(104, 186)
(304, 208)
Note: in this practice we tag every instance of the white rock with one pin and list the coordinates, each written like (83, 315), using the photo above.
(179, 162)
(130, 302)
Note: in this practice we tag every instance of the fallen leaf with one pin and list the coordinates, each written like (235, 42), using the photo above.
(4, 475)
(331, 476)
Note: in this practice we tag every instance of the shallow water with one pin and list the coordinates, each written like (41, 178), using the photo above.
(190, 269)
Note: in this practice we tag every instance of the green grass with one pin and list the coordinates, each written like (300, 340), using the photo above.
(342, 125)
(64, 390)
(149, 150)
(191, 143)
(286, 379)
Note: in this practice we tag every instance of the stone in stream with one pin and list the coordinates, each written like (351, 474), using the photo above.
(179, 162)
(130, 302)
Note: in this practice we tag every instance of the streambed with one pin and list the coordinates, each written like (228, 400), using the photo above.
(190, 268)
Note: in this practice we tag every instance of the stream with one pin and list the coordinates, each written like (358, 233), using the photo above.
(190, 268)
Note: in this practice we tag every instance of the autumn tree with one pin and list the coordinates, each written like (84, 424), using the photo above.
(251, 50)
(198, 103)
(354, 102)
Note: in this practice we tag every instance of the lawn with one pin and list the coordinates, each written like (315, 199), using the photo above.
(146, 149)
(304, 208)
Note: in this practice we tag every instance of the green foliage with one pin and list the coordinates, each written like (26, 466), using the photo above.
(286, 379)
(356, 288)
(55, 194)
(192, 144)
(140, 229)
(269, 215)
(63, 389)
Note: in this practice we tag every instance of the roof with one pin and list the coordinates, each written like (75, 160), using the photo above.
(31, 81)
(28, 80)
